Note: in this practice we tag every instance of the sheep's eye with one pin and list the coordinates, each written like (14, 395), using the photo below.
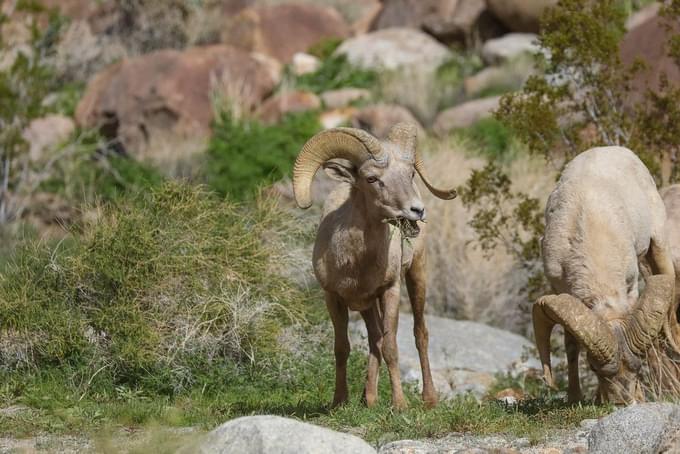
(413, 174)
(372, 179)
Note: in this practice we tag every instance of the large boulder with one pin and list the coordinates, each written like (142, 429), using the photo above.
(395, 48)
(171, 92)
(638, 428)
(273, 434)
(408, 61)
(282, 30)
(648, 41)
(447, 20)
(520, 15)
(465, 356)
(464, 115)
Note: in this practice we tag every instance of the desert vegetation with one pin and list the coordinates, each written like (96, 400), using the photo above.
(155, 271)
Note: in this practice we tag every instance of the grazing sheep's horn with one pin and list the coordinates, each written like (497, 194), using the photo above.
(645, 322)
(352, 144)
(589, 330)
(404, 134)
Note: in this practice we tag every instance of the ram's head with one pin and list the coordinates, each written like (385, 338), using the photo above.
(382, 171)
(615, 348)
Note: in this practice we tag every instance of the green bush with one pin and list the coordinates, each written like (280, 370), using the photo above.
(157, 290)
(245, 154)
(491, 137)
(336, 72)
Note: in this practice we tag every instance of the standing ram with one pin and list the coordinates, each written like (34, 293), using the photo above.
(604, 215)
(368, 236)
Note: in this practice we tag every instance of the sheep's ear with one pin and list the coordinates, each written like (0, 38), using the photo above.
(341, 170)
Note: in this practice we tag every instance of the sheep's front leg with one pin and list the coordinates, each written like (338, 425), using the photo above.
(574, 388)
(415, 283)
(375, 341)
(339, 315)
(390, 304)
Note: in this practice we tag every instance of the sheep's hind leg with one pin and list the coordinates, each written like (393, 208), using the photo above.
(415, 283)
(574, 390)
(390, 303)
(375, 341)
(339, 316)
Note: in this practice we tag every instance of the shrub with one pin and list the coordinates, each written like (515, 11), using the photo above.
(491, 137)
(244, 154)
(336, 72)
(155, 291)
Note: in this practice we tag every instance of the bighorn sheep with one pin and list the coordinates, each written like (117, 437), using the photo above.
(603, 216)
(368, 235)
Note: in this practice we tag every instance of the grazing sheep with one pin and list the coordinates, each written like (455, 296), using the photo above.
(604, 215)
(368, 236)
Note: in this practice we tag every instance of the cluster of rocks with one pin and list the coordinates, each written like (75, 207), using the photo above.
(159, 71)
(641, 429)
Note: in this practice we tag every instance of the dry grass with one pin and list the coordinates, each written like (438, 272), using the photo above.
(463, 282)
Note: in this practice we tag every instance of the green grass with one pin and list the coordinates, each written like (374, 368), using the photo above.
(245, 154)
(297, 387)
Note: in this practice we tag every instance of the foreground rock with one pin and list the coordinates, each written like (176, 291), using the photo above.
(464, 356)
(172, 92)
(274, 434)
(640, 429)
(282, 30)
(464, 115)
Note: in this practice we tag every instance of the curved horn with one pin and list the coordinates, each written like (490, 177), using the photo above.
(348, 143)
(589, 330)
(645, 322)
(404, 135)
(446, 194)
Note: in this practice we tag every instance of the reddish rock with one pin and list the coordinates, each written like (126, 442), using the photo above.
(171, 92)
(648, 41)
(520, 15)
(282, 30)
(277, 106)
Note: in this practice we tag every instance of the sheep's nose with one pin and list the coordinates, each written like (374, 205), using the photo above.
(419, 210)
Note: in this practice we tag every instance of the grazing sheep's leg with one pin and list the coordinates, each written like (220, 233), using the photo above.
(574, 390)
(390, 303)
(415, 283)
(339, 315)
(375, 341)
